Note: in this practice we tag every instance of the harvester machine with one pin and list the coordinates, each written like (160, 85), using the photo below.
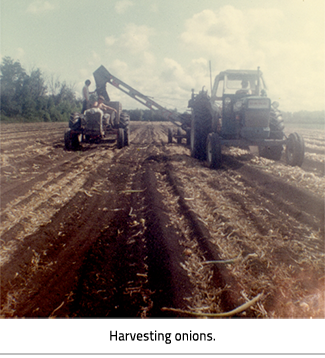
(182, 121)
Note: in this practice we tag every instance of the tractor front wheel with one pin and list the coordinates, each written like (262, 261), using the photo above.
(127, 136)
(295, 150)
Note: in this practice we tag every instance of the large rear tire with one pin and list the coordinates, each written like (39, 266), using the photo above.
(124, 120)
(120, 138)
(67, 140)
(213, 150)
(295, 150)
(71, 140)
(200, 128)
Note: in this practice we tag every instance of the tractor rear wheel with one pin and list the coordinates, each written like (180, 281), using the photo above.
(213, 149)
(188, 137)
(71, 140)
(200, 128)
(120, 138)
(124, 120)
(295, 150)
(67, 140)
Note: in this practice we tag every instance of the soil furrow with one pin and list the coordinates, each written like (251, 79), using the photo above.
(123, 233)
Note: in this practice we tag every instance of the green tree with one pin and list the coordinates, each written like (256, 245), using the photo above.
(12, 82)
(29, 98)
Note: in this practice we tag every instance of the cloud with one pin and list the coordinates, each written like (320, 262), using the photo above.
(173, 72)
(122, 6)
(20, 53)
(94, 60)
(289, 52)
(39, 7)
(110, 40)
(136, 38)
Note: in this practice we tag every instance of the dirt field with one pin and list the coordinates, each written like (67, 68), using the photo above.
(102, 232)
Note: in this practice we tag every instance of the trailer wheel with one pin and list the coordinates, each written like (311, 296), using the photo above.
(120, 138)
(214, 156)
(295, 150)
(170, 135)
(179, 136)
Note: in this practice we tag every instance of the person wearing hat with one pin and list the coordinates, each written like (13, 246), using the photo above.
(85, 96)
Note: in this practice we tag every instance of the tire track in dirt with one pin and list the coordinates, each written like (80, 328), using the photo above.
(135, 235)
(122, 272)
(253, 233)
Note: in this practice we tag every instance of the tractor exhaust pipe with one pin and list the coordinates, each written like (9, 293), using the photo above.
(258, 80)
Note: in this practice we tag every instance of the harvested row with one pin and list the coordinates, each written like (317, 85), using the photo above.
(102, 232)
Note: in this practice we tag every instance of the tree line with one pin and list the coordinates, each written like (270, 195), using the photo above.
(144, 115)
(30, 97)
(313, 117)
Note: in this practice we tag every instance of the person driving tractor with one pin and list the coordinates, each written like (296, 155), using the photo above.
(101, 105)
(106, 111)
(244, 89)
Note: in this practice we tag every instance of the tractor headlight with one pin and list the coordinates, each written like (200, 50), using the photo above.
(275, 104)
(238, 105)
(227, 101)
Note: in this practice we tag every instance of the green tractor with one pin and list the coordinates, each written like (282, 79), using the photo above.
(239, 113)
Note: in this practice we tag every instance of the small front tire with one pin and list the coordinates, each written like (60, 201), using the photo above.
(127, 136)
(295, 150)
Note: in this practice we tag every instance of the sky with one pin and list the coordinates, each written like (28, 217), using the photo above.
(163, 48)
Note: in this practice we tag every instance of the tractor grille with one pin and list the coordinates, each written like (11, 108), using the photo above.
(257, 118)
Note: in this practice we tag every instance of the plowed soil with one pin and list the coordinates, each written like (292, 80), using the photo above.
(107, 232)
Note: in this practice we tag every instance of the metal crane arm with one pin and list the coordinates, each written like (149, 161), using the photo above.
(102, 76)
